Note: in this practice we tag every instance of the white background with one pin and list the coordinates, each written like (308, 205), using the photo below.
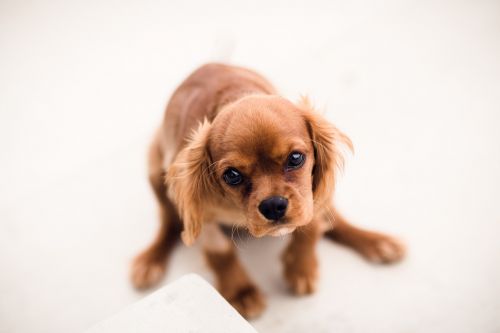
(415, 84)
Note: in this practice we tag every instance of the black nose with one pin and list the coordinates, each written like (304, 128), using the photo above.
(273, 208)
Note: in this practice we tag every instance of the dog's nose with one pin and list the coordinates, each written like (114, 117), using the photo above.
(273, 208)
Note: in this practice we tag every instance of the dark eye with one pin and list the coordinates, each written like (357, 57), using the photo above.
(295, 160)
(232, 177)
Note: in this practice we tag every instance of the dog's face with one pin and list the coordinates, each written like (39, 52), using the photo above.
(262, 155)
(263, 159)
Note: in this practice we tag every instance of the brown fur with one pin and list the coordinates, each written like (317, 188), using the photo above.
(224, 116)
(234, 284)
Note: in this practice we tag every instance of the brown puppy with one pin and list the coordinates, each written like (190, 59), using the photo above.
(231, 151)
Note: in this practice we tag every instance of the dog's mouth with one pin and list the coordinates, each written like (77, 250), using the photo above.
(276, 231)
(281, 231)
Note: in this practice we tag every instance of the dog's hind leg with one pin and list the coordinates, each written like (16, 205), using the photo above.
(149, 267)
(373, 246)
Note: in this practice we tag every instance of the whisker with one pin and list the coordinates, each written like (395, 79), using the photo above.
(330, 217)
(232, 236)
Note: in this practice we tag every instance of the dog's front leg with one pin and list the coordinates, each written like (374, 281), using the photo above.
(299, 259)
(232, 280)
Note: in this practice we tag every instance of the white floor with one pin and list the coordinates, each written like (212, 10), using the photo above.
(416, 85)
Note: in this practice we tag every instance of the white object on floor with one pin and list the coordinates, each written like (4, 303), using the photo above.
(189, 304)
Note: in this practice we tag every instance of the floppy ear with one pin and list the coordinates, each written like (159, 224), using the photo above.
(328, 142)
(191, 183)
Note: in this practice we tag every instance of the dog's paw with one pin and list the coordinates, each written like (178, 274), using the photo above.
(302, 282)
(248, 301)
(382, 249)
(146, 271)
(301, 273)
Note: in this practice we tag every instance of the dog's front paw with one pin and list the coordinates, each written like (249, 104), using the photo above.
(146, 271)
(248, 301)
(380, 248)
(301, 272)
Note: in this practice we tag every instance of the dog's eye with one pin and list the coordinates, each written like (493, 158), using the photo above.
(232, 177)
(295, 160)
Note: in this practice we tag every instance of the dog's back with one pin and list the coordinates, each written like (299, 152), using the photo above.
(202, 95)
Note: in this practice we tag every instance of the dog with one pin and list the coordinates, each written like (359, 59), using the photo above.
(233, 152)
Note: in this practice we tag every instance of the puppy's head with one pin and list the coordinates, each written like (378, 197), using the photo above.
(263, 156)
